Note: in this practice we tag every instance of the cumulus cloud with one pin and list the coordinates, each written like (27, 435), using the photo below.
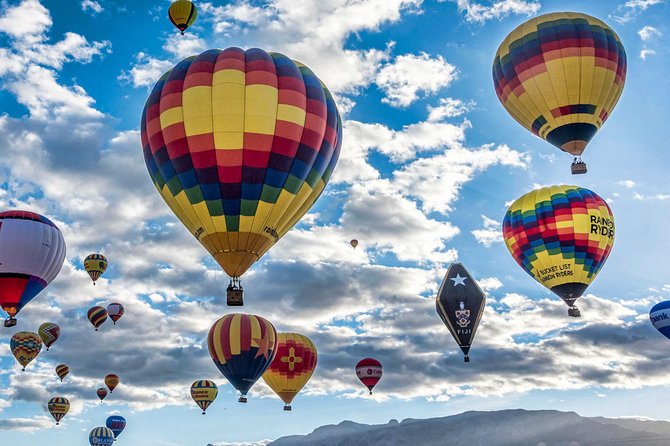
(91, 5)
(646, 52)
(491, 232)
(146, 71)
(449, 108)
(496, 10)
(625, 12)
(648, 33)
(411, 74)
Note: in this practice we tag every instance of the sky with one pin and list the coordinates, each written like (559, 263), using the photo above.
(430, 161)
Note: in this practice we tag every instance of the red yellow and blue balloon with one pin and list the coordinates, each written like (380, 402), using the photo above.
(115, 311)
(95, 265)
(97, 315)
(204, 393)
(49, 333)
(25, 346)
(62, 371)
(58, 407)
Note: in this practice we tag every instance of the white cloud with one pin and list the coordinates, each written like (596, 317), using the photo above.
(628, 184)
(627, 11)
(491, 232)
(411, 74)
(184, 46)
(646, 53)
(91, 5)
(449, 108)
(653, 197)
(146, 71)
(27, 21)
(648, 33)
(499, 9)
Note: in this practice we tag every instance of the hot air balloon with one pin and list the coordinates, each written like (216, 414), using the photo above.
(182, 14)
(102, 393)
(25, 346)
(659, 315)
(204, 393)
(240, 144)
(49, 333)
(369, 371)
(460, 303)
(292, 367)
(117, 424)
(561, 236)
(62, 370)
(242, 346)
(111, 381)
(97, 315)
(95, 265)
(354, 243)
(560, 75)
(58, 408)
(32, 250)
(115, 311)
(101, 436)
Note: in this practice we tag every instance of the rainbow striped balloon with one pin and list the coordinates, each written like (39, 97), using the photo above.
(561, 236)
(240, 144)
(560, 75)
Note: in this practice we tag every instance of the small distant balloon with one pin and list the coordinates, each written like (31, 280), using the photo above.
(102, 393)
(97, 315)
(111, 381)
(204, 393)
(182, 14)
(58, 408)
(25, 346)
(62, 370)
(95, 265)
(659, 315)
(117, 424)
(49, 333)
(115, 311)
(369, 371)
(354, 243)
(101, 436)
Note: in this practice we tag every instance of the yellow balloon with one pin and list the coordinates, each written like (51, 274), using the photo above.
(204, 393)
(182, 14)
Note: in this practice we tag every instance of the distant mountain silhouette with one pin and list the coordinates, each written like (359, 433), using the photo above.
(499, 428)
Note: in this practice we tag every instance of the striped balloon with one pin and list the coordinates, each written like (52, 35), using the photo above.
(49, 333)
(95, 265)
(101, 436)
(58, 408)
(560, 75)
(204, 393)
(62, 371)
(242, 346)
(292, 367)
(561, 236)
(240, 144)
(369, 371)
(97, 316)
(25, 346)
(101, 392)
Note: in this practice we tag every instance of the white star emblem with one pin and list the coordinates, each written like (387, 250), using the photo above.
(458, 280)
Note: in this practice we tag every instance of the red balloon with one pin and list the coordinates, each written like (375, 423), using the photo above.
(369, 371)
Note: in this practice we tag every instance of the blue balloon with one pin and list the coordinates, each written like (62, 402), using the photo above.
(117, 424)
(660, 317)
(101, 436)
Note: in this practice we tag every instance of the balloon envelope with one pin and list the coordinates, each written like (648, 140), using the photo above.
(560, 75)
(58, 408)
(117, 424)
(292, 366)
(561, 236)
(95, 265)
(25, 346)
(111, 381)
(49, 333)
(369, 371)
(32, 250)
(659, 315)
(115, 311)
(240, 144)
(242, 347)
(204, 393)
(97, 316)
(101, 436)
(182, 14)
(460, 303)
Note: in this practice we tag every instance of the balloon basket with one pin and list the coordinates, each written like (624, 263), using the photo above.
(578, 167)
(466, 359)
(287, 408)
(235, 293)
(10, 322)
(574, 312)
(242, 399)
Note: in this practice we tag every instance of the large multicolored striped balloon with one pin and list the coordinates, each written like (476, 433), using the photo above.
(25, 346)
(49, 333)
(204, 393)
(32, 250)
(561, 236)
(58, 407)
(292, 367)
(242, 346)
(101, 436)
(240, 144)
(560, 75)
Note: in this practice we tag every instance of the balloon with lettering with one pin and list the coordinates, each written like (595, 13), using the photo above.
(95, 265)
(25, 346)
(242, 347)
(204, 393)
(240, 144)
(292, 367)
(102, 393)
(49, 333)
(182, 14)
(117, 424)
(460, 303)
(62, 371)
(659, 315)
(111, 381)
(32, 250)
(97, 316)
(560, 75)
(561, 236)
(369, 371)
(101, 436)
(58, 407)
(115, 311)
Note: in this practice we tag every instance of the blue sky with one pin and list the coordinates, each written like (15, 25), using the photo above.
(429, 160)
